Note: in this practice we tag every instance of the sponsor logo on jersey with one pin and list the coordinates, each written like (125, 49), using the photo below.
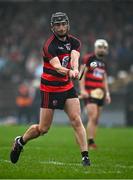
(99, 73)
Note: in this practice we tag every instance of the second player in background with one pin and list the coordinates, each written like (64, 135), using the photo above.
(94, 87)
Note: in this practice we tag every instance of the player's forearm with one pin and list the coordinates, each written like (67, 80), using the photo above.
(57, 65)
(75, 59)
(106, 84)
(62, 70)
(74, 65)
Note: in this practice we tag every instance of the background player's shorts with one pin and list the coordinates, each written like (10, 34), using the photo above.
(96, 96)
(99, 102)
(56, 100)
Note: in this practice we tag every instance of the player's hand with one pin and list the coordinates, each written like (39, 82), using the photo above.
(76, 73)
(108, 98)
(73, 74)
(84, 94)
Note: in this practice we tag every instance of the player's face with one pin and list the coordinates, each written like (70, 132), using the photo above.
(61, 29)
(101, 51)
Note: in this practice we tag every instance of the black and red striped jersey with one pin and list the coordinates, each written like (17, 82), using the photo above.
(51, 80)
(94, 78)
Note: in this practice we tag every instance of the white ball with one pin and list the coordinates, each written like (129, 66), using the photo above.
(93, 64)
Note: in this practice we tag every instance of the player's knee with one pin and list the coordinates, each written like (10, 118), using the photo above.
(93, 120)
(76, 121)
(75, 116)
(92, 116)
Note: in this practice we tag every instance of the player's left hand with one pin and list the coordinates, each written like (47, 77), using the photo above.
(76, 73)
(108, 98)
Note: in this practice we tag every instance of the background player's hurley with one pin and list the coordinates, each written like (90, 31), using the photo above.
(93, 65)
(81, 73)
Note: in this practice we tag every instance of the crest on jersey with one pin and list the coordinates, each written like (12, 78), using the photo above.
(65, 61)
(68, 46)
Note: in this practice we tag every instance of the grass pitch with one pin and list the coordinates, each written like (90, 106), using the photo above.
(56, 155)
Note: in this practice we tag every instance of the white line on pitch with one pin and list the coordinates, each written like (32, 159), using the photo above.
(60, 163)
(4, 160)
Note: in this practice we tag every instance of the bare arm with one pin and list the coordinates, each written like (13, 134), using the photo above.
(57, 65)
(75, 59)
(62, 70)
(82, 81)
(106, 84)
(83, 92)
(107, 93)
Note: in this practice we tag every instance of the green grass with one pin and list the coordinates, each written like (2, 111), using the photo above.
(56, 155)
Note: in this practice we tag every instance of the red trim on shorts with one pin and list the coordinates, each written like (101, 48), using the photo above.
(46, 100)
(43, 104)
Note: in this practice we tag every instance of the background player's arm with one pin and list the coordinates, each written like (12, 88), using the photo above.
(83, 92)
(107, 93)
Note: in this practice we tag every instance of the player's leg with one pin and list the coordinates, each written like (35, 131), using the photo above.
(72, 108)
(46, 116)
(93, 111)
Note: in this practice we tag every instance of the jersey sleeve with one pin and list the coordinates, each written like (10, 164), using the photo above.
(86, 59)
(49, 51)
(76, 44)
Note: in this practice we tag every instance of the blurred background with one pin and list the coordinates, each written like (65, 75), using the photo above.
(25, 25)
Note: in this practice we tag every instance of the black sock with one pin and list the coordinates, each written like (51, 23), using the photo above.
(22, 141)
(91, 141)
(84, 153)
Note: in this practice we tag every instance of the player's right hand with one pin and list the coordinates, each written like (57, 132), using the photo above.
(84, 93)
(73, 74)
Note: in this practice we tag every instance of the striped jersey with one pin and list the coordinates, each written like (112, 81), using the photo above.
(94, 78)
(51, 80)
